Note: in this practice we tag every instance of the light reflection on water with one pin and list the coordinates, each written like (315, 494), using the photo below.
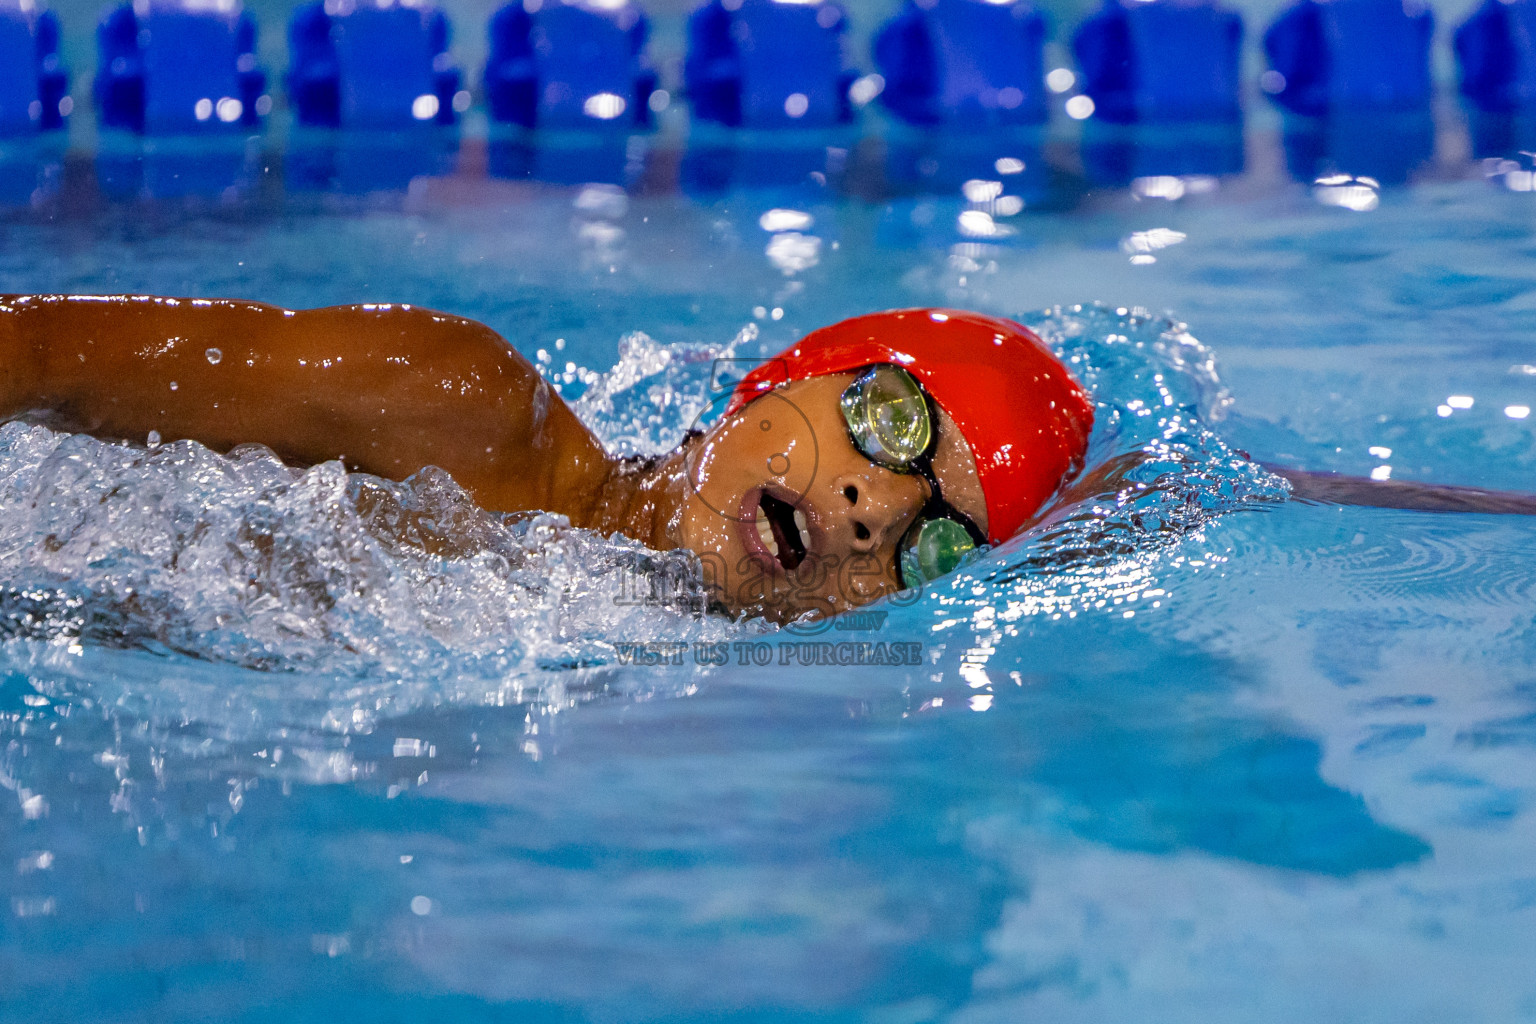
(1295, 782)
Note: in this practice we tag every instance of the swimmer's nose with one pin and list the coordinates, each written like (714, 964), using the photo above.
(876, 511)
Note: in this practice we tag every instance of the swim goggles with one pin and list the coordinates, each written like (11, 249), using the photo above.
(891, 421)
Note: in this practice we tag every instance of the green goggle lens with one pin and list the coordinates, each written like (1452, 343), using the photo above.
(936, 548)
(888, 417)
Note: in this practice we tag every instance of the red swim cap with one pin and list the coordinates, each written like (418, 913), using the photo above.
(1025, 417)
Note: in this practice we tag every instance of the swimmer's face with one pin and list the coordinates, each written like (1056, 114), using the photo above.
(789, 517)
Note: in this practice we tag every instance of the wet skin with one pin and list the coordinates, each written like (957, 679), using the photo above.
(389, 390)
(385, 389)
(787, 517)
(790, 517)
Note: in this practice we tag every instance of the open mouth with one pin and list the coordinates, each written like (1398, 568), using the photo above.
(782, 529)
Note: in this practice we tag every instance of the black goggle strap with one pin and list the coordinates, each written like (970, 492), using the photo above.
(941, 540)
(930, 549)
(937, 508)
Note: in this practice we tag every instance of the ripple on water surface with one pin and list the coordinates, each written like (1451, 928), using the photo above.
(374, 597)
(203, 636)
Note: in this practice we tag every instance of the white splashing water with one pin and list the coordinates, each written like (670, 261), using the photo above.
(364, 596)
(1156, 393)
(647, 402)
(331, 599)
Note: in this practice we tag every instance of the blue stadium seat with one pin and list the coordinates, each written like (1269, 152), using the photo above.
(768, 63)
(171, 67)
(1496, 48)
(964, 62)
(33, 85)
(569, 64)
(371, 65)
(1167, 60)
(1350, 54)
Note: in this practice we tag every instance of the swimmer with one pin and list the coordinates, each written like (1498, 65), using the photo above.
(873, 455)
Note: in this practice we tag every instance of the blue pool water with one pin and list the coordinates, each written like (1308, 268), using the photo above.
(1213, 755)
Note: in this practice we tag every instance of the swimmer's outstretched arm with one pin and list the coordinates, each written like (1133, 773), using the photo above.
(1116, 472)
(386, 389)
(1337, 489)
